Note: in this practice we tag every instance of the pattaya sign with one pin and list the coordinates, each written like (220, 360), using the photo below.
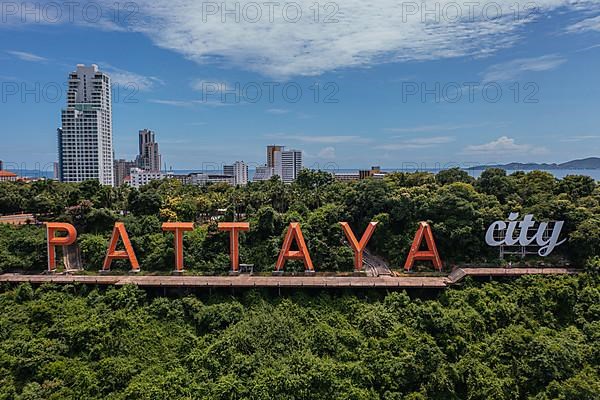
(519, 233)
(293, 235)
(500, 233)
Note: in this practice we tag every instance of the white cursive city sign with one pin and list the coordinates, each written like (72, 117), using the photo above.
(507, 229)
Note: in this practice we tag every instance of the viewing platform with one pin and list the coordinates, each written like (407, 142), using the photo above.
(251, 281)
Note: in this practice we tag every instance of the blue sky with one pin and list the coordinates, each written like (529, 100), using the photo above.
(396, 86)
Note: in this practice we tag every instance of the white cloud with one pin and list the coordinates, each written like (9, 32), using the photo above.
(513, 69)
(277, 111)
(212, 85)
(354, 33)
(127, 79)
(416, 143)
(176, 103)
(504, 146)
(190, 103)
(580, 138)
(327, 153)
(433, 128)
(364, 33)
(319, 138)
(588, 24)
(25, 56)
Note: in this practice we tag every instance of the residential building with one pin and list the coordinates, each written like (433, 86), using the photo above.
(346, 176)
(271, 150)
(149, 158)
(85, 142)
(203, 179)
(228, 170)
(240, 173)
(291, 165)
(6, 176)
(122, 170)
(374, 172)
(263, 173)
(56, 171)
(140, 177)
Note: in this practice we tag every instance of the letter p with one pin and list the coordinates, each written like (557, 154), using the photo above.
(53, 240)
(409, 89)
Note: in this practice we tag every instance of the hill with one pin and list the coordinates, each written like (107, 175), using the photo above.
(533, 338)
(585, 163)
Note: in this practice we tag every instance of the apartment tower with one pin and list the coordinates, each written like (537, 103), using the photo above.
(85, 143)
(148, 158)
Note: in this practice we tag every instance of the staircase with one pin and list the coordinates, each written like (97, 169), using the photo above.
(375, 265)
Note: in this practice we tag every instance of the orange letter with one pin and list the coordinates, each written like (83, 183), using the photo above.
(294, 233)
(356, 246)
(114, 254)
(178, 228)
(52, 240)
(234, 228)
(429, 255)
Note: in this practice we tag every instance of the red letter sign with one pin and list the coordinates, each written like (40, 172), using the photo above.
(429, 255)
(114, 254)
(234, 228)
(294, 233)
(356, 246)
(53, 240)
(178, 228)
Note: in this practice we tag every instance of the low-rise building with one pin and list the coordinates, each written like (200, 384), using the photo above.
(346, 176)
(203, 179)
(7, 176)
(140, 177)
(263, 173)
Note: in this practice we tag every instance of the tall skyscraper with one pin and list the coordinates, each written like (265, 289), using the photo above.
(85, 143)
(149, 158)
(291, 165)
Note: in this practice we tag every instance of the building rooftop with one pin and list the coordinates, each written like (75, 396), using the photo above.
(7, 174)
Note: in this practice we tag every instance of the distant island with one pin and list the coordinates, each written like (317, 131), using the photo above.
(585, 163)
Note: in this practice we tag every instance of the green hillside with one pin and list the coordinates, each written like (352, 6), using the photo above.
(535, 338)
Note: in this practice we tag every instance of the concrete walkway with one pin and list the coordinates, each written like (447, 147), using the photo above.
(247, 281)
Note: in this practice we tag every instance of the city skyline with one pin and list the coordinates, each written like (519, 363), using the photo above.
(391, 106)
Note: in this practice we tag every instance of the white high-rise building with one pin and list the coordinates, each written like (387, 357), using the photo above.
(281, 162)
(85, 144)
(291, 165)
(240, 173)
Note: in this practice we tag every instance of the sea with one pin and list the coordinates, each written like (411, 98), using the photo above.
(475, 173)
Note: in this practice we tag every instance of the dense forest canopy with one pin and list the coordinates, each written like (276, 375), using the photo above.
(459, 208)
(537, 338)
